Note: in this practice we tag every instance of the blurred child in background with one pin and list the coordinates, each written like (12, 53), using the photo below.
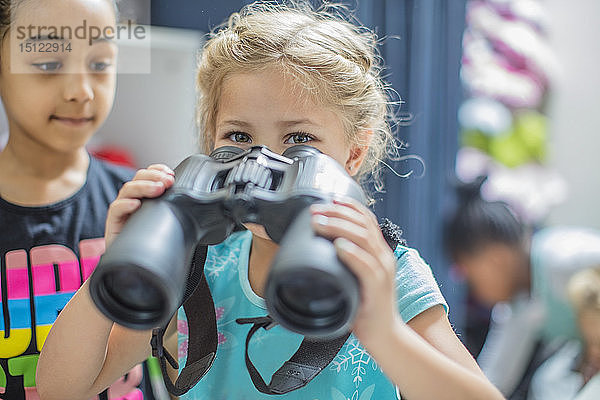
(523, 274)
(572, 372)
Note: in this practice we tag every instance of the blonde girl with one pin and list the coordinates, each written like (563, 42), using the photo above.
(279, 75)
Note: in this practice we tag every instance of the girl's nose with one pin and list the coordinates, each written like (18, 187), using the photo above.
(78, 87)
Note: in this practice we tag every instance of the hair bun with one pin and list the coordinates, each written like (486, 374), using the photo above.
(470, 191)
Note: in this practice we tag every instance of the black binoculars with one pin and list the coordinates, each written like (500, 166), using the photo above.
(141, 279)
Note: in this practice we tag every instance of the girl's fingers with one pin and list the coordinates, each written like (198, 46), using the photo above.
(124, 207)
(350, 220)
(147, 183)
(355, 205)
(161, 167)
(372, 272)
(332, 228)
(118, 212)
(154, 175)
(141, 189)
(346, 213)
(350, 209)
(357, 260)
(353, 222)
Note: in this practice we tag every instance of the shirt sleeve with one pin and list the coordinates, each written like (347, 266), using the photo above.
(416, 287)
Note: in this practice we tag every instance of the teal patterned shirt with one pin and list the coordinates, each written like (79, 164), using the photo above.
(352, 375)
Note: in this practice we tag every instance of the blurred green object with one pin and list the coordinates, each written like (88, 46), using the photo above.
(156, 379)
(524, 142)
(531, 127)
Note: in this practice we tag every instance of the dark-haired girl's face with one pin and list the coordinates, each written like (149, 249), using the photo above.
(58, 89)
(494, 272)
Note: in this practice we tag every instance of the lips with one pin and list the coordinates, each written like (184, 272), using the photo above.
(72, 120)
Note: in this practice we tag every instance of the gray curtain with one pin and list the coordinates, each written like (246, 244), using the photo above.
(422, 50)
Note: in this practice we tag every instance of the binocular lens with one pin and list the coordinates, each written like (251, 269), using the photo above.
(309, 290)
(130, 297)
(311, 299)
(312, 305)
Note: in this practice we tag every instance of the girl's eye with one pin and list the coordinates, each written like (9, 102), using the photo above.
(299, 138)
(48, 66)
(99, 66)
(240, 137)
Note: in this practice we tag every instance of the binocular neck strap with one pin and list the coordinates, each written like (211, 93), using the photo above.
(202, 331)
(311, 358)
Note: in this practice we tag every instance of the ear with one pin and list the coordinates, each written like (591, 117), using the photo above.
(358, 151)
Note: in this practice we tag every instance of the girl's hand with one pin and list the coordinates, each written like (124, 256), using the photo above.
(147, 183)
(362, 247)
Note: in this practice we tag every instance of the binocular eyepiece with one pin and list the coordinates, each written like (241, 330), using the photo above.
(146, 273)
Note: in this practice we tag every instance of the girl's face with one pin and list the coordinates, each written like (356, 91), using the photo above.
(57, 92)
(262, 108)
(492, 272)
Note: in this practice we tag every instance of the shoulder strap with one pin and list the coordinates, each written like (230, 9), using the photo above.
(311, 358)
(202, 329)
(306, 363)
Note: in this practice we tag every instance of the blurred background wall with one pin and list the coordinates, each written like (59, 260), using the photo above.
(153, 113)
(574, 109)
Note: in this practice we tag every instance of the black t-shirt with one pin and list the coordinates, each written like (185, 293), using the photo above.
(46, 253)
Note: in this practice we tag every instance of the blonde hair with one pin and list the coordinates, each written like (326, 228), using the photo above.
(584, 290)
(335, 62)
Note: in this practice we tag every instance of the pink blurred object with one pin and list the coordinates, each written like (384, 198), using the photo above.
(505, 52)
(485, 72)
(524, 46)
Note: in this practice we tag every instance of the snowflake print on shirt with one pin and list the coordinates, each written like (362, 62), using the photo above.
(355, 357)
(216, 262)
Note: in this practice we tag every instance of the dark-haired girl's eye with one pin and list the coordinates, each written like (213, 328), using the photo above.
(51, 66)
(99, 66)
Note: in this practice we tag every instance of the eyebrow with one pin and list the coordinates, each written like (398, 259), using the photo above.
(46, 38)
(302, 121)
(103, 40)
(236, 122)
(285, 124)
